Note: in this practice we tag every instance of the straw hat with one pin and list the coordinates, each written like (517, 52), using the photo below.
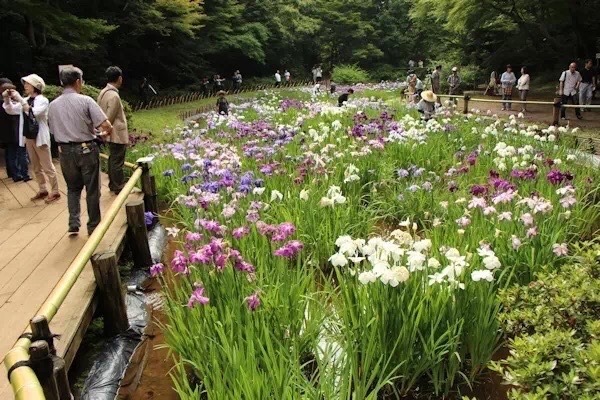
(221, 92)
(429, 96)
(34, 80)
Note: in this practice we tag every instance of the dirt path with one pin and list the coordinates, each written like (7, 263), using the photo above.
(541, 114)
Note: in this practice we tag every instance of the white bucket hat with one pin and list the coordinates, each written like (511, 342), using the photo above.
(429, 96)
(35, 80)
(454, 69)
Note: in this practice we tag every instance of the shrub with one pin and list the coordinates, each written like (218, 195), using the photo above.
(349, 74)
(556, 353)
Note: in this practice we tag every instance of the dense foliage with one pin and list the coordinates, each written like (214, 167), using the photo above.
(177, 42)
(555, 320)
(356, 252)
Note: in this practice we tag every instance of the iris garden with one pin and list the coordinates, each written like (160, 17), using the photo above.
(356, 252)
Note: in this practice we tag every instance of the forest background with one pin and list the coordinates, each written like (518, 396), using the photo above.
(175, 43)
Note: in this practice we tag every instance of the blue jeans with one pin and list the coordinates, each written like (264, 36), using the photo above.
(17, 166)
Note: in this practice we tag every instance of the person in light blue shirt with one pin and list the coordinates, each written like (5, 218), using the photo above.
(508, 80)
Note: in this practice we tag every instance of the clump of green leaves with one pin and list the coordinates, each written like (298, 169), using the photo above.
(556, 353)
(349, 74)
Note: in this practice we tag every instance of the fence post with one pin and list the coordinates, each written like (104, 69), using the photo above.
(41, 363)
(556, 110)
(466, 99)
(40, 330)
(149, 188)
(138, 234)
(61, 378)
(108, 280)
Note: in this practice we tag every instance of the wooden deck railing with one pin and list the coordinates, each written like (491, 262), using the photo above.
(34, 370)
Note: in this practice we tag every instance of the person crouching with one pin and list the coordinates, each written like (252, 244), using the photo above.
(222, 103)
(427, 104)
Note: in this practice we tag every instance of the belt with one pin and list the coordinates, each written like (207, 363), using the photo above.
(76, 143)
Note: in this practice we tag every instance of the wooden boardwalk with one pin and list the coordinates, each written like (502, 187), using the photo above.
(35, 251)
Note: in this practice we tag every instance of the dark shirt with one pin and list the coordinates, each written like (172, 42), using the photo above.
(223, 105)
(587, 75)
(342, 99)
(9, 127)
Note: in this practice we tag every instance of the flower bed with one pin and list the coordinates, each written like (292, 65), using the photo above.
(355, 252)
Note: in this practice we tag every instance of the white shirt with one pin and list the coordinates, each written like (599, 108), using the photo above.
(40, 111)
(508, 79)
(523, 83)
(570, 79)
(287, 75)
(319, 72)
(277, 77)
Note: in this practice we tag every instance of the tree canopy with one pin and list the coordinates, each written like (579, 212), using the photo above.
(178, 42)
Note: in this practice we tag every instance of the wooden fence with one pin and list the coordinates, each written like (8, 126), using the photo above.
(195, 96)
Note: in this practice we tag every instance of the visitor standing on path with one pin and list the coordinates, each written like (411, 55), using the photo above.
(588, 84)
(523, 87)
(568, 86)
(237, 80)
(492, 85)
(508, 81)
(319, 74)
(454, 83)
(277, 79)
(11, 127)
(110, 102)
(287, 76)
(38, 143)
(73, 119)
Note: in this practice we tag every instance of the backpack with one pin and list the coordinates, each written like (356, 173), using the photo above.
(31, 126)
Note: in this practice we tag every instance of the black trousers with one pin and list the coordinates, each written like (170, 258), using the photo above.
(116, 161)
(574, 100)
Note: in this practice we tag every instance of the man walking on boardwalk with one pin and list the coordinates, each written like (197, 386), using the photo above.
(110, 102)
(73, 119)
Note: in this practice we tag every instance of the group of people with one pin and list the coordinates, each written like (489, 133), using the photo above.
(79, 125)
(286, 75)
(416, 86)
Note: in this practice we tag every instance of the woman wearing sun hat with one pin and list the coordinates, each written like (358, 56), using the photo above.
(38, 149)
(427, 104)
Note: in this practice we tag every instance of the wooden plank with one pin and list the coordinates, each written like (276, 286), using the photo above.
(7, 200)
(27, 242)
(22, 192)
(13, 221)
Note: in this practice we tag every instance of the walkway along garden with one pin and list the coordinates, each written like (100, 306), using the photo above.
(35, 370)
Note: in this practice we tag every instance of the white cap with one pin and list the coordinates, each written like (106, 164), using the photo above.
(454, 69)
(35, 80)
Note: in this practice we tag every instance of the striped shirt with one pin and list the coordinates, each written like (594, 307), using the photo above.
(72, 117)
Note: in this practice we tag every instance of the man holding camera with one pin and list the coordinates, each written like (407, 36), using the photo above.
(73, 120)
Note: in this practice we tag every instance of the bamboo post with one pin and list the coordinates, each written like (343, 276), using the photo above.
(466, 99)
(108, 280)
(138, 234)
(61, 378)
(41, 363)
(40, 330)
(149, 188)
(556, 110)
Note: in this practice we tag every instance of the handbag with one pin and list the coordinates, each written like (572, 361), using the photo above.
(32, 127)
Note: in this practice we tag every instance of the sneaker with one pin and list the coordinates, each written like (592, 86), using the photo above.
(27, 179)
(39, 196)
(52, 198)
(73, 231)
